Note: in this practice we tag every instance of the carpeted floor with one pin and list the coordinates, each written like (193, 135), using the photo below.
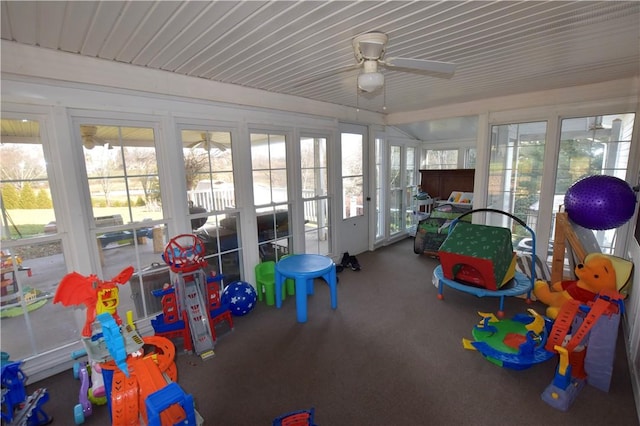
(391, 354)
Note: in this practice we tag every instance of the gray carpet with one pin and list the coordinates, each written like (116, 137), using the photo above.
(391, 354)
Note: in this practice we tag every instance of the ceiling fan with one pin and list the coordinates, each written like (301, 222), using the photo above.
(370, 48)
(206, 143)
(89, 138)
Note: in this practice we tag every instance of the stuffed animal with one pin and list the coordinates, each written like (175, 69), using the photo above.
(595, 274)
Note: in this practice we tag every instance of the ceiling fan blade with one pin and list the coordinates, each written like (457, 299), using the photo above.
(424, 65)
(100, 141)
(217, 145)
(204, 144)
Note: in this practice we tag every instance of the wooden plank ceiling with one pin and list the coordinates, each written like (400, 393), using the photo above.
(303, 48)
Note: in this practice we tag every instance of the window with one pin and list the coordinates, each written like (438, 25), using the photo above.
(313, 156)
(379, 159)
(208, 164)
(126, 202)
(409, 185)
(396, 190)
(459, 158)
(515, 174)
(352, 175)
(270, 192)
(402, 187)
(440, 159)
(597, 145)
(32, 257)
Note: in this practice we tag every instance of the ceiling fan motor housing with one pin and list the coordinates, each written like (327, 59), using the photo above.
(370, 46)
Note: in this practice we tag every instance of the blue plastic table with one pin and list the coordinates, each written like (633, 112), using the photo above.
(303, 268)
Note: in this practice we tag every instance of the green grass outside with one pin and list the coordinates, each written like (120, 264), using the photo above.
(30, 222)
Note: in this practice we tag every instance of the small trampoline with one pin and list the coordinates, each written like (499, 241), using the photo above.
(519, 285)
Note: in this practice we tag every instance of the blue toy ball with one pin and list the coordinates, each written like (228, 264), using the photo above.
(240, 296)
(600, 202)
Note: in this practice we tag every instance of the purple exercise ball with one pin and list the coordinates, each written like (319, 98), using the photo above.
(600, 202)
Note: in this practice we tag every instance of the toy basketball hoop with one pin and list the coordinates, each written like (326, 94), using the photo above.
(184, 253)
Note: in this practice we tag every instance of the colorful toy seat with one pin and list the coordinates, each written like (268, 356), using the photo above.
(266, 282)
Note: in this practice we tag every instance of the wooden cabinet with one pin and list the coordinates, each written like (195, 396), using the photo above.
(441, 183)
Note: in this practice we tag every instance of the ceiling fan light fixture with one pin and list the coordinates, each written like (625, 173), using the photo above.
(370, 81)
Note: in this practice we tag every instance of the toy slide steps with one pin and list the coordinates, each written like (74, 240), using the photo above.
(203, 342)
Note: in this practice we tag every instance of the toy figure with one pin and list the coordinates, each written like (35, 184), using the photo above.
(597, 273)
(98, 296)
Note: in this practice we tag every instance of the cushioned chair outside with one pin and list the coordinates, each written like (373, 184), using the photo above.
(266, 282)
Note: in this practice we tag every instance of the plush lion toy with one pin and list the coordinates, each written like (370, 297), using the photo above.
(595, 274)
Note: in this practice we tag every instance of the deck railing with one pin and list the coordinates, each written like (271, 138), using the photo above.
(221, 199)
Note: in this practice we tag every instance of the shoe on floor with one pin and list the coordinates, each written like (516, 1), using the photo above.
(339, 268)
(346, 259)
(355, 266)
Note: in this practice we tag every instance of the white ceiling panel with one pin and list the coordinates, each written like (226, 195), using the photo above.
(304, 48)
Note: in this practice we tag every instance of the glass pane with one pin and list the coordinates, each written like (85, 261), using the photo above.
(441, 159)
(394, 167)
(410, 177)
(262, 187)
(25, 193)
(308, 183)
(352, 197)
(313, 158)
(208, 164)
(352, 148)
(352, 175)
(395, 211)
(470, 158)
(314, 167)
(259, 151)
(220, 235)
(274, 233)
(122, 172)
(268, 161)
(277, 152)
(378, 186)
(515, 174)
(30, 275)
(589, 146)
(317, 241)
(279, 186)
